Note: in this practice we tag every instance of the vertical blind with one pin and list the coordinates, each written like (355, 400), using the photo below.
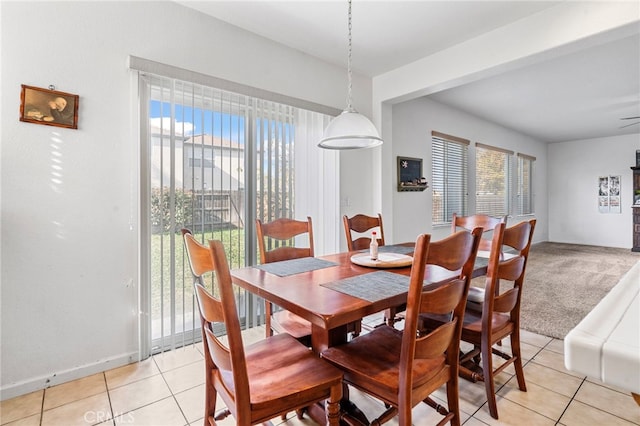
(214, 162)
(317, 179)
(449, 156)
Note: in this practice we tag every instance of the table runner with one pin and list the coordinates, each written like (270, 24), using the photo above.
(373, 286)
(295, 266)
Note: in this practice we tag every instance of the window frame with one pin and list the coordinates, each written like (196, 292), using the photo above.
(525, 186)
(444, 179)
(507, 179)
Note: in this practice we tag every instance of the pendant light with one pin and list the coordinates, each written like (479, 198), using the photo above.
(350, 130)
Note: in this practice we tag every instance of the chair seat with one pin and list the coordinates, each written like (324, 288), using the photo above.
(473, 322)
(287, 322)
(472, 325)
(293, 370)
(371, 361)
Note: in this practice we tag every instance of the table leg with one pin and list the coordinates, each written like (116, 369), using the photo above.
(350, 415)
(322, 339)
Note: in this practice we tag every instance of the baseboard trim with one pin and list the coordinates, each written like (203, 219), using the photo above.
(38, 383)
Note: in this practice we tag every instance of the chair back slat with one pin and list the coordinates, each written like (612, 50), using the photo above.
(511, 269)
(361, 223)
(486, 222)
(443, 299)
(437, 342)
(285, 253)
(211, 309)
(506, 301)
(446, 253)
(279, 231)
(519, 236)
(198, 255)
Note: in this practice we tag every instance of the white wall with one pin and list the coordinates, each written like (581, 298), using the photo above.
(574, 168)
(413, 122)
(70, 197)
(564, 28)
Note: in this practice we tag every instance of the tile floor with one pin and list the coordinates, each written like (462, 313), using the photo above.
(167, 389)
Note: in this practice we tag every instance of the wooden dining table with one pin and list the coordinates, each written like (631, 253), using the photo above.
(307, 295)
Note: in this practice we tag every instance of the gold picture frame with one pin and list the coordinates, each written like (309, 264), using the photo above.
(48, 107)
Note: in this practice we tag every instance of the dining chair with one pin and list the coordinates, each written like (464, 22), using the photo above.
(360, 224)
(497, 317)
(274, 246)
(486, 222)
(274, 239)
(260, 381)
(400, 368)
(355, 229)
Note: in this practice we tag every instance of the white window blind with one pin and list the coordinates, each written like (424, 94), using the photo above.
(525, 185)
(214, 161)
(449, 156)
(493, 175)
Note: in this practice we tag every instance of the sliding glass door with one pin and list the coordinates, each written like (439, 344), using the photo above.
(214, 162)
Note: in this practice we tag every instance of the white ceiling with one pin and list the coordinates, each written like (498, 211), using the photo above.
(577, 96)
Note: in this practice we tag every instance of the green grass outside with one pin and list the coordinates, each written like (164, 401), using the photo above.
(161, 263)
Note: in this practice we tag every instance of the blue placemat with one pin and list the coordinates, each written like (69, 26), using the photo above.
(394, 249)
(373, 286)
(481, 262)
(295, 266)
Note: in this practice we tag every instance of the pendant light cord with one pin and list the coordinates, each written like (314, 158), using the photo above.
(349, 106)
(349, 130)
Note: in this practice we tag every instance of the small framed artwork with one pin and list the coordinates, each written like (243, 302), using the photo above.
(410, 175)
(49, 107)
(609, 194)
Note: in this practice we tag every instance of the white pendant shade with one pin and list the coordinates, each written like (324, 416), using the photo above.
(350, 130)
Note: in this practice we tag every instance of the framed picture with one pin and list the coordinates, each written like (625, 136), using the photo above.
(609, 194)
(49, 107)
(410, 174)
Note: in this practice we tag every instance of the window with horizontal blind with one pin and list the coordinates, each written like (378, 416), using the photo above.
(493, 175)
(525, 185)
(449, 157)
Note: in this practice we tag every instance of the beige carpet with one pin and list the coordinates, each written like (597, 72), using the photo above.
(564, 282)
